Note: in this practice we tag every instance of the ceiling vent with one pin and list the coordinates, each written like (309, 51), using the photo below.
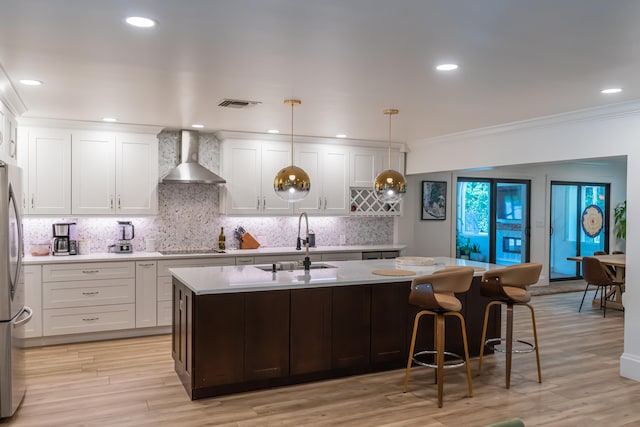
(237, 103)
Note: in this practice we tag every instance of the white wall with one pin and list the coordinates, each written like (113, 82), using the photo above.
(596, 133)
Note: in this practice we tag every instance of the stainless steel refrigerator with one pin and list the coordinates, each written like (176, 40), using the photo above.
(13, 313)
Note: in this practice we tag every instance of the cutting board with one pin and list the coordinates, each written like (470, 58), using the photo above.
(394, 272)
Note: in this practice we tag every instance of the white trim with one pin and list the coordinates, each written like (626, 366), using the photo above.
(96, 336)
(9, 96)
(92, 125)
(630, 366)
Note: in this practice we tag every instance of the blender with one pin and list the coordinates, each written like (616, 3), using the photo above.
(126, 233)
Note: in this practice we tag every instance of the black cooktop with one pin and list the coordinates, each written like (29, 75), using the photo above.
(191, 251)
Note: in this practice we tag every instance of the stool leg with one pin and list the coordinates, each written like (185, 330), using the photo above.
(535, 342)
(411, 349)
(435, 347)
(509, 341)
(466, 352)
(484, 333)
(440, 357)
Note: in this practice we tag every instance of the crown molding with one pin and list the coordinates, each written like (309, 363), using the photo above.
(222, 135)
(93, 125)
(9, 96)
(607, 112)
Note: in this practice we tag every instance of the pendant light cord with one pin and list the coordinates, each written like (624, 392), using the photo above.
(389, 154)
(292, 156)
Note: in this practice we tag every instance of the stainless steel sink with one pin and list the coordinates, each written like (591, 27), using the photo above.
(285, 266)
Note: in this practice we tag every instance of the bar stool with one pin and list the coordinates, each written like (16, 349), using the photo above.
(508, 286)
(434, 293)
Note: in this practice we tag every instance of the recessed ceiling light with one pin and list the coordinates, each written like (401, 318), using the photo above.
(273, 131)
(109, 119)
(611, 90)
(447, 67)
(30, 82)
(341, 135)
(197, 126)
(140, 22)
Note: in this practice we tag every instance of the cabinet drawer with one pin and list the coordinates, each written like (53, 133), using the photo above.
(61, 321)
(164, 266)
(164, 313)
(89, 271)
(165, 288)
(342, 256)
(88, 293)
(245, 260)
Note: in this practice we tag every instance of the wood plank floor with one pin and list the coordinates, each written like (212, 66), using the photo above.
(132, 383)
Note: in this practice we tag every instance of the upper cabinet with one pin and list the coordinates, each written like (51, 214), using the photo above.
(250, 167)
(8, 146)
(328, 169)
(74, 172)
(48, 165)
(366, 164)
(114, 173)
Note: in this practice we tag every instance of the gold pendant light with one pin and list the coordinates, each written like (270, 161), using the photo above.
(390, 185)
(292, 183)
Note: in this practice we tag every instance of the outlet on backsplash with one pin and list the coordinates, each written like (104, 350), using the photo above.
(343, 239)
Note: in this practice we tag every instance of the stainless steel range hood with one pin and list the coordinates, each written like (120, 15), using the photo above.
(189, 170)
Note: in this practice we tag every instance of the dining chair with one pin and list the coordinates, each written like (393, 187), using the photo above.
(596, 274)
(435, 294)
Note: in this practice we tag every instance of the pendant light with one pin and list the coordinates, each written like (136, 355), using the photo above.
(390, 185)
(292, 183)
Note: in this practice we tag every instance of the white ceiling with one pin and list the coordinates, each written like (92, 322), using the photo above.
(347, 60)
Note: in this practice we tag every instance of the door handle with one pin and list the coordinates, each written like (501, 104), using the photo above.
(119, 205)
(264, 203)
(258, 205)
(111, 202)
(33, 202)
(29, 312)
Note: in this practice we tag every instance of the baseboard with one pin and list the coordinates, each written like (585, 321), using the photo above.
(630, 366)
(96, 336)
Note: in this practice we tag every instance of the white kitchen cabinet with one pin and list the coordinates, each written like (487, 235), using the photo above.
(48, 188)
(366, 164)
(146, 294)
(114, 173)
(328, 169)
(250, 168)
(33, 299)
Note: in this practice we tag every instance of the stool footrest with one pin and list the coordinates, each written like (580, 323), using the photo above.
(494, 342)
(454, 361)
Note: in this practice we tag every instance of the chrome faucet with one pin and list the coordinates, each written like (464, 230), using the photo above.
(307, 260)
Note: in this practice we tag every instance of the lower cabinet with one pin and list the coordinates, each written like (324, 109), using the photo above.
(33, 299)
(227, 343)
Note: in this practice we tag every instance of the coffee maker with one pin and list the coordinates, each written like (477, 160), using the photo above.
(65, 238)
(126, 233)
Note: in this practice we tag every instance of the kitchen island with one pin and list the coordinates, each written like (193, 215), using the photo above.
(240, 328)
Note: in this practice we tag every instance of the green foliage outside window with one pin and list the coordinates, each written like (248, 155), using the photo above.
(476, 207)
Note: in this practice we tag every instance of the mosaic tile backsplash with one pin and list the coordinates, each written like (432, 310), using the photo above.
(188, 216)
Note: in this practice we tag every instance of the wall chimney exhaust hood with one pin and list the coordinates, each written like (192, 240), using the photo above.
(189, 171)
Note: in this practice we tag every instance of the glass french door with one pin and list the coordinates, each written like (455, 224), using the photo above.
(493, 220)
(579, 225)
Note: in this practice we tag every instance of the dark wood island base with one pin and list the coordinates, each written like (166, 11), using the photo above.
(234, 342)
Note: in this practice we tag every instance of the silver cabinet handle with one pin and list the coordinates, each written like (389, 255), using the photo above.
(264, 203)
(33, 202)
(90, 271)
(91, 293)
(181, 306)
(319, 203)
(119, 205)
(111, 202)
(90, 319)
(149, 264)
(325, 203)
(258, 205)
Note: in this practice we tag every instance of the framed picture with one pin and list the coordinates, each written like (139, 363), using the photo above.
(434, 200)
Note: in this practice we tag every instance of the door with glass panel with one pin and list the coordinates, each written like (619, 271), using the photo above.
(493, 220)
(579, 225)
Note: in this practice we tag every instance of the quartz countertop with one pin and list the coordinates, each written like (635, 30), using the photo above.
(228, 279)
(141, 256)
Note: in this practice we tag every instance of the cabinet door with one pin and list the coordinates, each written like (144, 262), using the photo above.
(397, 161)
(363, 167)
(146, 294)
(308, 157)
(351, 326)
(49, 172)
(266, 335)
(33, 299)
(136, 169)
(310, 330)
(93, 173)
(335, 182)
(388, 322)
(275, 156)
(243, 174)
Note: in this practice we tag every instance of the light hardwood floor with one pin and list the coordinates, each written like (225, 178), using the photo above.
(132, 383)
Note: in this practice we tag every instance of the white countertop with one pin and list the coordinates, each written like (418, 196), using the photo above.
(227, 279)
(140, 256)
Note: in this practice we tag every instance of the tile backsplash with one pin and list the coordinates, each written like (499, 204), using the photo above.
(188, 216)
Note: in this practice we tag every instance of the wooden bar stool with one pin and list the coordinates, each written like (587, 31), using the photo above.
(434, 293)
(508, 286)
